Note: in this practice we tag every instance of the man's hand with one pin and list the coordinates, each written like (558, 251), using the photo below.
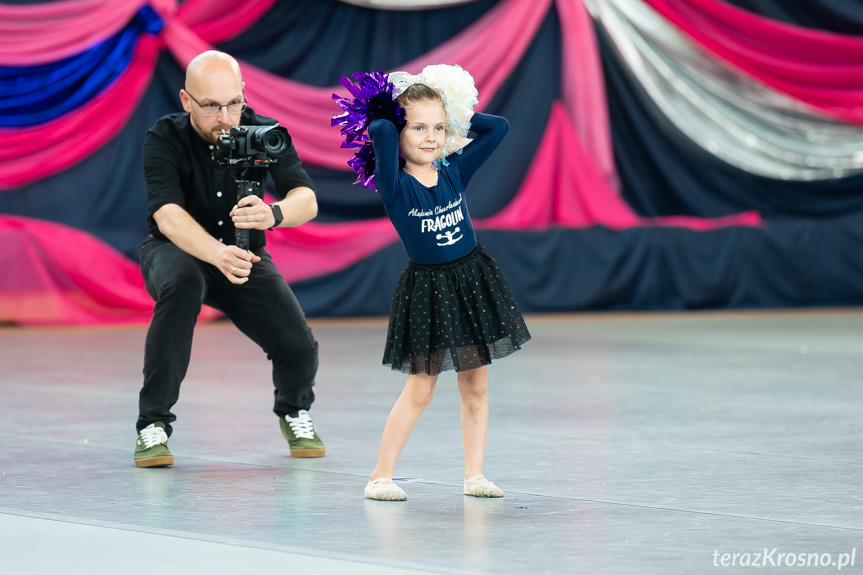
(187, 234)
(236, 264)
(252, 213)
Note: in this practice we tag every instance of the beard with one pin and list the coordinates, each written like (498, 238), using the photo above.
(212, 135)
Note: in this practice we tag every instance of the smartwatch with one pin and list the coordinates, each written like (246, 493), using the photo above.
(277, 213)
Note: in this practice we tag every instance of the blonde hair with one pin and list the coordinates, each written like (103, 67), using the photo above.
(416, 93)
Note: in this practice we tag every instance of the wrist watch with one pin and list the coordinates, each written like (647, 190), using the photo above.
(277, 214)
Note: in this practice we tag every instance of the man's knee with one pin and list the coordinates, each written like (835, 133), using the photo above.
(186, 286)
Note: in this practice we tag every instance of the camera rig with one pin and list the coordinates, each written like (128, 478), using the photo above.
(248, 151)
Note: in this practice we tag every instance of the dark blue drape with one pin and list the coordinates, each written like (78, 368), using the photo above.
(790, 263)
(288, 40)
(842, 16)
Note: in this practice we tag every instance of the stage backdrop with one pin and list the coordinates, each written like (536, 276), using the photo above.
(663, 154)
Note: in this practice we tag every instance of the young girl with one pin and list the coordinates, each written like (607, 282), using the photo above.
(452, 308)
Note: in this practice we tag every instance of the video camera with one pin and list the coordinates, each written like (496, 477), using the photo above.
(251, 146)
(246, 149)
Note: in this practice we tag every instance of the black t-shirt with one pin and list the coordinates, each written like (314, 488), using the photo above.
(179, 169)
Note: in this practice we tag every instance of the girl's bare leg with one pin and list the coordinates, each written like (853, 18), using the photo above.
(413, 400)
(473, 387)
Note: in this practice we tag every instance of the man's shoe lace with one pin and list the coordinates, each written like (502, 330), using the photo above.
(302, 425)
(153, 435)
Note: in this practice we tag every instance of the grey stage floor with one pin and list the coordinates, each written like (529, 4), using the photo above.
(625, 444)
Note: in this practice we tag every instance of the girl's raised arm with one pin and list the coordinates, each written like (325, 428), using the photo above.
(489, 131)
(385, 140)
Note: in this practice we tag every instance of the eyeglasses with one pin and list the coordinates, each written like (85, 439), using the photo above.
(215, 109)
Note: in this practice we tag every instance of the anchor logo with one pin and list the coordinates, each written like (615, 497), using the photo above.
(449, 237)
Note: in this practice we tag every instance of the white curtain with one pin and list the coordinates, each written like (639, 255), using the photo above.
(721, 109)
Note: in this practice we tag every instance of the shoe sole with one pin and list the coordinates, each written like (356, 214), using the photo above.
(485, 494)
(160, 461)
(304, 452)
(387, 498)
(308, 452)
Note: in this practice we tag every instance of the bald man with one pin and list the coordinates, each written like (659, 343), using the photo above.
(189, 259)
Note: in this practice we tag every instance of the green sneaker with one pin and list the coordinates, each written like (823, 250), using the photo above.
(300, 432)
(151, 449)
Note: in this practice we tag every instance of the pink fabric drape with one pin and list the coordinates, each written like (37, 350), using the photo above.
(491, 47)
(65, 276)
(583, 85)
(314, 249)
(217, 21)
(565, 187)
(41, 33)
(822, 69)
(45, 32)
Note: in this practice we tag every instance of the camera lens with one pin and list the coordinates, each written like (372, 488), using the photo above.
(274, 142)
(270, 140)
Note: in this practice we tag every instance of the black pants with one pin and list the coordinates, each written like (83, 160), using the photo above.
(264, 308)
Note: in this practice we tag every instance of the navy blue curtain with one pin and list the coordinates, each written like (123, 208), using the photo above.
(842, 16)
(790, 263)
(315, 42)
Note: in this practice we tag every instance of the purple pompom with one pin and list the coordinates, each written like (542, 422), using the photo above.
(372, 100)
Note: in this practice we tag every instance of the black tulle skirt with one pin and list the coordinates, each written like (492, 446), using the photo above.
(458, 315)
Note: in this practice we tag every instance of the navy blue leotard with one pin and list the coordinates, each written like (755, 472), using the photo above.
(433, 223)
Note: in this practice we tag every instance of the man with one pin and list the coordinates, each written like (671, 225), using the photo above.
(189, 259)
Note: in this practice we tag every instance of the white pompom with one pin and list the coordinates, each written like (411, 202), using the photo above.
(459, 95)
(457, 88)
